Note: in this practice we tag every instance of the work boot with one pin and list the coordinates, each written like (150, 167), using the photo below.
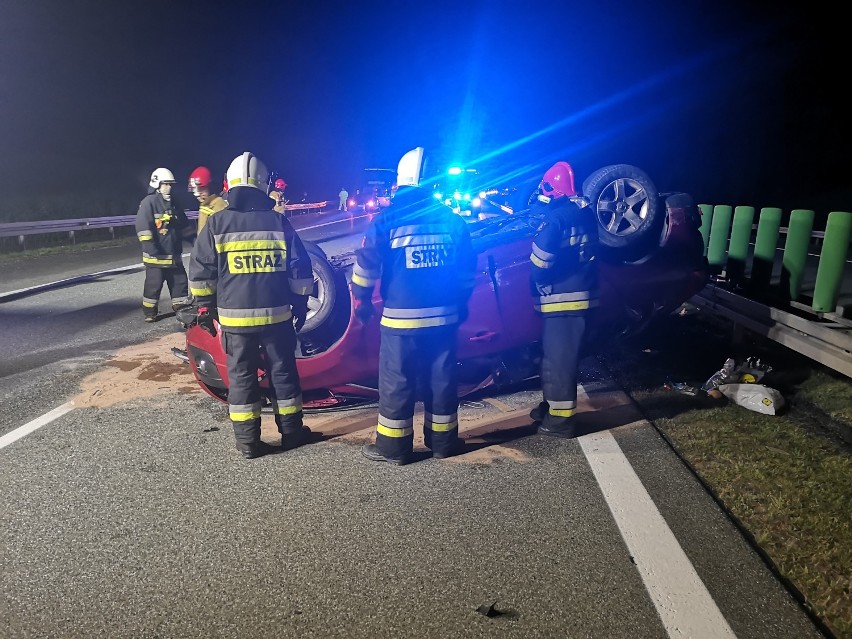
(255, 449)
(150, 318)
(455, 448)
(372, 452)
(565, 433)
(537, 414)
(294, 439)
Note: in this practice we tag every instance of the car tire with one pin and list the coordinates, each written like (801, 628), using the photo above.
(322, 298)
(627, 208)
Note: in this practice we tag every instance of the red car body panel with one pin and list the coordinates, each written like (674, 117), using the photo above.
(502, 317)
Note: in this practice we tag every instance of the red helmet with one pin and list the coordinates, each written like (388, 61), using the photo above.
(199, 178)
(558, 181)
(280, 184)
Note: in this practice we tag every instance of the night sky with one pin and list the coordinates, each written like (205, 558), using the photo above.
(734, 102)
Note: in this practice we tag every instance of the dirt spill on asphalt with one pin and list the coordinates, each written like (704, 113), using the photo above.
(139, 372)
(150, 370)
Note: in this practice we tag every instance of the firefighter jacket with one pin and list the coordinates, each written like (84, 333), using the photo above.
(564, 271)
(423, 256)
(251, 263)
(210, 206)
(160, 227)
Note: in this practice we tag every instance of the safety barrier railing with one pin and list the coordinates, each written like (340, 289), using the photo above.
(71, 227)
(753, 257)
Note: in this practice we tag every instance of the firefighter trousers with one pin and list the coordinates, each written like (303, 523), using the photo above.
(175, 278)
(412, 367)
(561, 340)
(273, 349)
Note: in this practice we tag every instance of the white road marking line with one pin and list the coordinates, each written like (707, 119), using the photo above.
(34, 425)
(680, 597)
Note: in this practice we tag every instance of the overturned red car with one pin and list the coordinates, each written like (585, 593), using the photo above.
(652, 261)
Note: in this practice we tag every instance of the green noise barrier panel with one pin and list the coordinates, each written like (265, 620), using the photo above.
(831, 261)
(796, 250)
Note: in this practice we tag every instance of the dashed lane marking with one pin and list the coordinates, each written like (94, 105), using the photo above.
(34, 425)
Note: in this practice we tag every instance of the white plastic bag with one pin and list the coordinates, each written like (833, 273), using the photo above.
(756, 397)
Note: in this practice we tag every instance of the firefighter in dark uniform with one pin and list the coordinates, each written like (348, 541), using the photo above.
(250, 270)
(564, 276)
(422, 254)
(160, 226)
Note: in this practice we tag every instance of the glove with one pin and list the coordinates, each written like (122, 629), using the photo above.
(299, 306)
(205, 320)
(364, 311)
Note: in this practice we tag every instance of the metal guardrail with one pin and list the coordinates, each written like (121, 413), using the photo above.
(72, 226)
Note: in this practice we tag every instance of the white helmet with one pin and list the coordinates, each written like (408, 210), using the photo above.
(247, 170)
(161, 175)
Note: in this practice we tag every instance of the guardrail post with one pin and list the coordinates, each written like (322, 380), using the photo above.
(765, 245)
(832, 259)
(740, 241)
(719, 229)
(112, 232)
(22, 242)
(796, 251)
(71, 236)
(706, 217)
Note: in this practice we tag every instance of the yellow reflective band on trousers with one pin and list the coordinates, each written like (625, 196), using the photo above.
(359, 280)
(441, 423)
(395, 427)
(147, 259)
(244, 412)
(288, 406)
(556, 412)
(564, 306)
(562, 408)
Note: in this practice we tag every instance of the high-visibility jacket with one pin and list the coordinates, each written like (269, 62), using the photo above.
(564, 273)
(160, 227)
(423, 256)
(252, 263)
(210, 206)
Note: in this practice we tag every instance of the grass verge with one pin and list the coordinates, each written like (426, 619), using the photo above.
(786, 479)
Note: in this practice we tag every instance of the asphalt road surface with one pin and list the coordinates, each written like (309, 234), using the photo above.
(125, 510)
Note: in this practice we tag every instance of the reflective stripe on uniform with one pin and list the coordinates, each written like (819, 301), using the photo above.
(166, 260)
(542, 258)
(145, 235)
(420, 239)
(576, 301)
(395, 427)
(288, 406)
(147, 302)
(244, 412)
(364, 277)
(245, 317)
(250, 240)
(438, 232)
(562, 409)
(419, 317)
(440, 423)
(203, 288)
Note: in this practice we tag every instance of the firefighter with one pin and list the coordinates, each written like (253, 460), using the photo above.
(564, 282)
(277, 195)
(343, 196)
(160, 227)
(423, 257)
(250, 270)
(208, 203)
